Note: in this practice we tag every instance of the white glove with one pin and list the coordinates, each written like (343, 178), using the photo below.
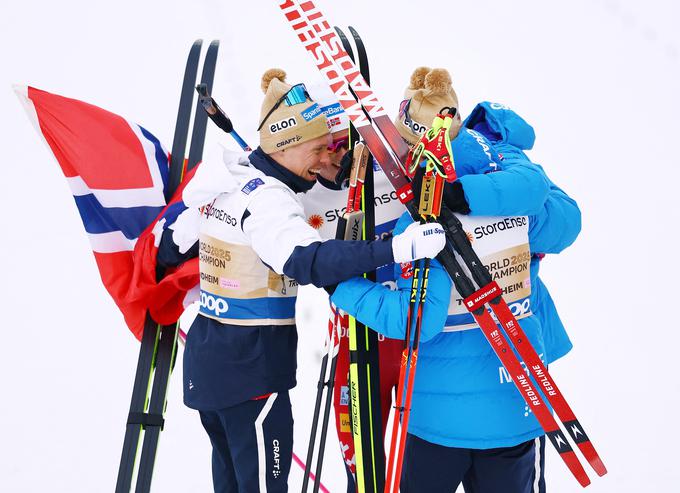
(418, 241)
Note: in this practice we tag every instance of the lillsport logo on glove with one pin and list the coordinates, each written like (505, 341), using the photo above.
(435, 230)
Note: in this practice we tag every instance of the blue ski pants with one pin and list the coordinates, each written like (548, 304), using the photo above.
(252, 445)
(431, 468)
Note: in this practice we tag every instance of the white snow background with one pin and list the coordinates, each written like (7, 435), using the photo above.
(597, 79)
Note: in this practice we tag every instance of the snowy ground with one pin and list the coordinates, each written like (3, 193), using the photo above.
(597, 79)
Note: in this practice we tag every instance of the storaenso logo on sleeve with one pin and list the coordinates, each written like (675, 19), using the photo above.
(282, 124)
(213, 305)
(219, 214)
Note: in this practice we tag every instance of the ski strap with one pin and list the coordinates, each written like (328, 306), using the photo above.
(434, 147)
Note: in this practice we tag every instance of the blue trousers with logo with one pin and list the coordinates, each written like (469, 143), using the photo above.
(431, 468)
(252, 445)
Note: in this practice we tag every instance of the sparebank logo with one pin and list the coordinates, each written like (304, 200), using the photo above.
(312, 112)
(213, 305)
(332, 109)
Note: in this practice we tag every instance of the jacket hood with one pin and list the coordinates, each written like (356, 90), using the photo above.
(219, 173)
(497, 122)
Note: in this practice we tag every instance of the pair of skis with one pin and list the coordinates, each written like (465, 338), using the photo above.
(369, 117)
(159, 343)
(364, 364)
(356, 223)
(350, 227)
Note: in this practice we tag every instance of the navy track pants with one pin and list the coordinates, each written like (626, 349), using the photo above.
(252, 445)
(431, 468)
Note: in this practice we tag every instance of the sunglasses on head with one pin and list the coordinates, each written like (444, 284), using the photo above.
(296, 95)
(338, 144)
(406, 103)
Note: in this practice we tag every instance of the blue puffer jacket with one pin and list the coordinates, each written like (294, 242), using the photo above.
(511, 135)
(462, 396)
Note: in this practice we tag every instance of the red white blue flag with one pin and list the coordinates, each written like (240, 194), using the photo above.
(117, 172)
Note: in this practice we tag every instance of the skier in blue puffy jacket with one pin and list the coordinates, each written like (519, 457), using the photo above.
(468, 422)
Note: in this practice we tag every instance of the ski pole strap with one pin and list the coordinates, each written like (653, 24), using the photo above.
(434, 147)
(146, 419)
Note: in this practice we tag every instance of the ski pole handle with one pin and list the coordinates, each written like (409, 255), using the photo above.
(213, 110)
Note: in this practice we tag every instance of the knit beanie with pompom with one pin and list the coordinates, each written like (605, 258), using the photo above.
(428, 92)
(284, 125)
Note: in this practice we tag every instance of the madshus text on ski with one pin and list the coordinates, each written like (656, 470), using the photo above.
(427, 231)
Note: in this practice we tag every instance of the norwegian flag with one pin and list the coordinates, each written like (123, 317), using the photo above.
(117, 172)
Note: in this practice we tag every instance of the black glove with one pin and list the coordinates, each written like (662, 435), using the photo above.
(345, 168)
(454, 198)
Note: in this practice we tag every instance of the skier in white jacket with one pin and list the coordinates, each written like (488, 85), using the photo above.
(254, 248)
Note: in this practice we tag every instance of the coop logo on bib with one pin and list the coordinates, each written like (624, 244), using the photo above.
(213, 305)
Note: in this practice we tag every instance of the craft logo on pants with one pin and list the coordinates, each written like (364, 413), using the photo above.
(276, 472)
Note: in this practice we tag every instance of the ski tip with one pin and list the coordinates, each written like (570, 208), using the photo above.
(582, 478)
(598, 466)
(215, 42)
(593, 458)
(574, 465)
